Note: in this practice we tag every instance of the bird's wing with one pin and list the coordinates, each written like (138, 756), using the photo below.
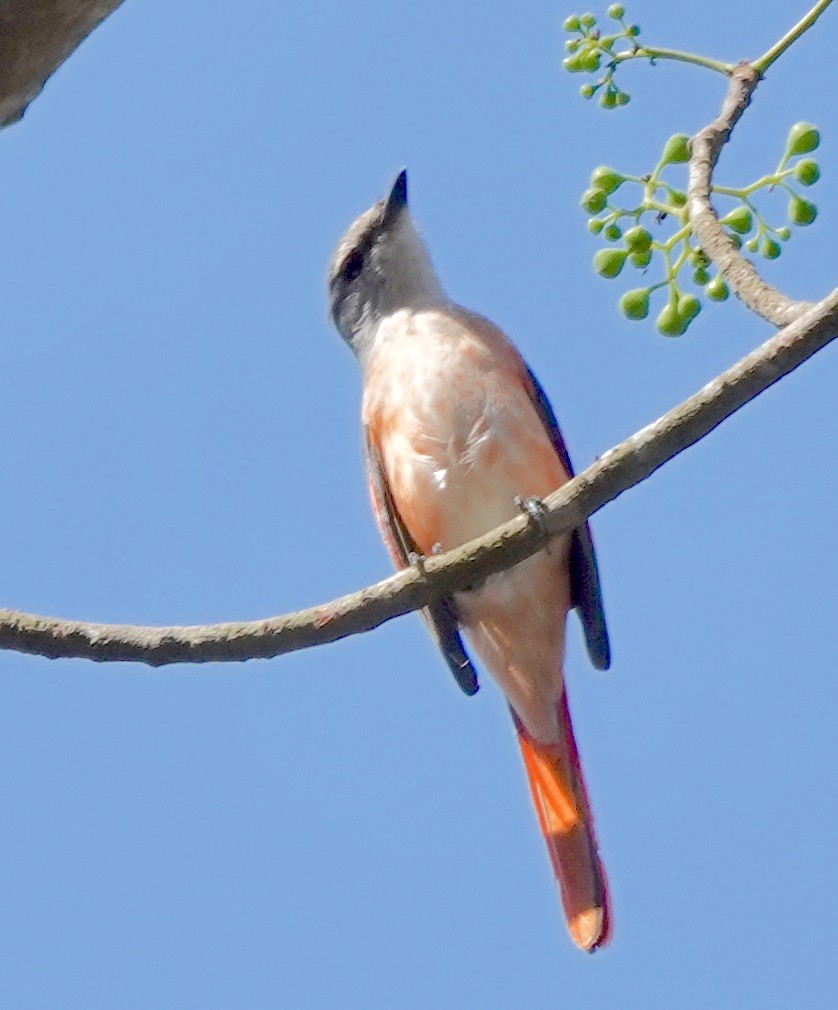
(586, 592)
(439, 616)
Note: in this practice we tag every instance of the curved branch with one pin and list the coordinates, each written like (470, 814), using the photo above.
(739, 273)
(618, 470)
(36, 37)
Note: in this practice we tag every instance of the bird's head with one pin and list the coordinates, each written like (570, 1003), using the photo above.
(380, 265)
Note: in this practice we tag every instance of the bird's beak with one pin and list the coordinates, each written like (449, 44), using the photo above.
(396, 200)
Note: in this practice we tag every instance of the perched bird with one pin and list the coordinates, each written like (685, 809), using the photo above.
(457, 433)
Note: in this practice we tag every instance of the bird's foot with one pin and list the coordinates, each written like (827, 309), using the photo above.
(535, 510)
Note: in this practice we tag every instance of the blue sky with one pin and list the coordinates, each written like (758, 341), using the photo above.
(340, 827)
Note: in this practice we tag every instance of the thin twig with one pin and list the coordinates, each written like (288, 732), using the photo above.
(791, 36)
(739, 273)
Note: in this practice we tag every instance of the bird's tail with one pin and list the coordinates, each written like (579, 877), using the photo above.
(564, 815)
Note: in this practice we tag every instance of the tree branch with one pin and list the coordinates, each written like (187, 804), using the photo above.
(807, 328)
(36, 37)
(618, 470)
(739, 273)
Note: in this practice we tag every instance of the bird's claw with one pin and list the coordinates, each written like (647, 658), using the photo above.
(535, 510)
(417, 561)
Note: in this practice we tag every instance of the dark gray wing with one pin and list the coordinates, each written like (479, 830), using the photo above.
(439, 616)
(586, 592)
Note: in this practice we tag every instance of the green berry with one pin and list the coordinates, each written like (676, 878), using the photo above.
(623, 98)
(573, 64)
(638, 239)
(770, 249)
(588, 20)
(633, 30)
(801, 211)
(635, 304)
(670, 322)
(616, 11)
(571, 45)
(802, 138)
(571, 23)
(701, 276)
(677, 198)
(717, 289)
(740, 220)
(609, 262)
(688, 307)
(641, 259)
(606, 179)
(591, 61)
(807, 172)
(587, 91)
(608, 100)
(676, 150)
(752, 244)
(612, 232)
(595, 225)
(783, 233)
(593, 200)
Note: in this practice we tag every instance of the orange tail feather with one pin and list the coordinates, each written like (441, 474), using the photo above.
(564, 816)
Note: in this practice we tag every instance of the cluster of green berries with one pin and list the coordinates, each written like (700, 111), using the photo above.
(589, 50)
(628, 228)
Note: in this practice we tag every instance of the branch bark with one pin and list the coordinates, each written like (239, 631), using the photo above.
(739, 273)
(806, 329)
(618, 470)
(36, 37)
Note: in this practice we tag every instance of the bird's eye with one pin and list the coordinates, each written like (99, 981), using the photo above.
(353, 265)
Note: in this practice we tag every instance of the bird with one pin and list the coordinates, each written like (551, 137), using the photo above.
(458, 435)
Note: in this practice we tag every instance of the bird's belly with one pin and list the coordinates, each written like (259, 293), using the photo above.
(454, 482)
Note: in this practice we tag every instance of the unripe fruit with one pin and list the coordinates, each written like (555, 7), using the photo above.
(740, 220)
(622, 98)
(677, 149)
(612, 232)
(616, 11)
(701, 276)
(595, 225)
(635, 304)
(571, 24)
(717, 289)
(641, 259)
(638, 239)
(608, 100)
(770, 249)
(587, 91)
(801, 211)
(752, 244)
(670, 323)
(807, 172)
(571, 45)
(688, 307)
(609, 262)
(590, 61)
(606, 179)
(593, 200)
(588, 20)
(783, 233)
(677, 198)
(573, 64)
(802, 138)
(633, 30)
